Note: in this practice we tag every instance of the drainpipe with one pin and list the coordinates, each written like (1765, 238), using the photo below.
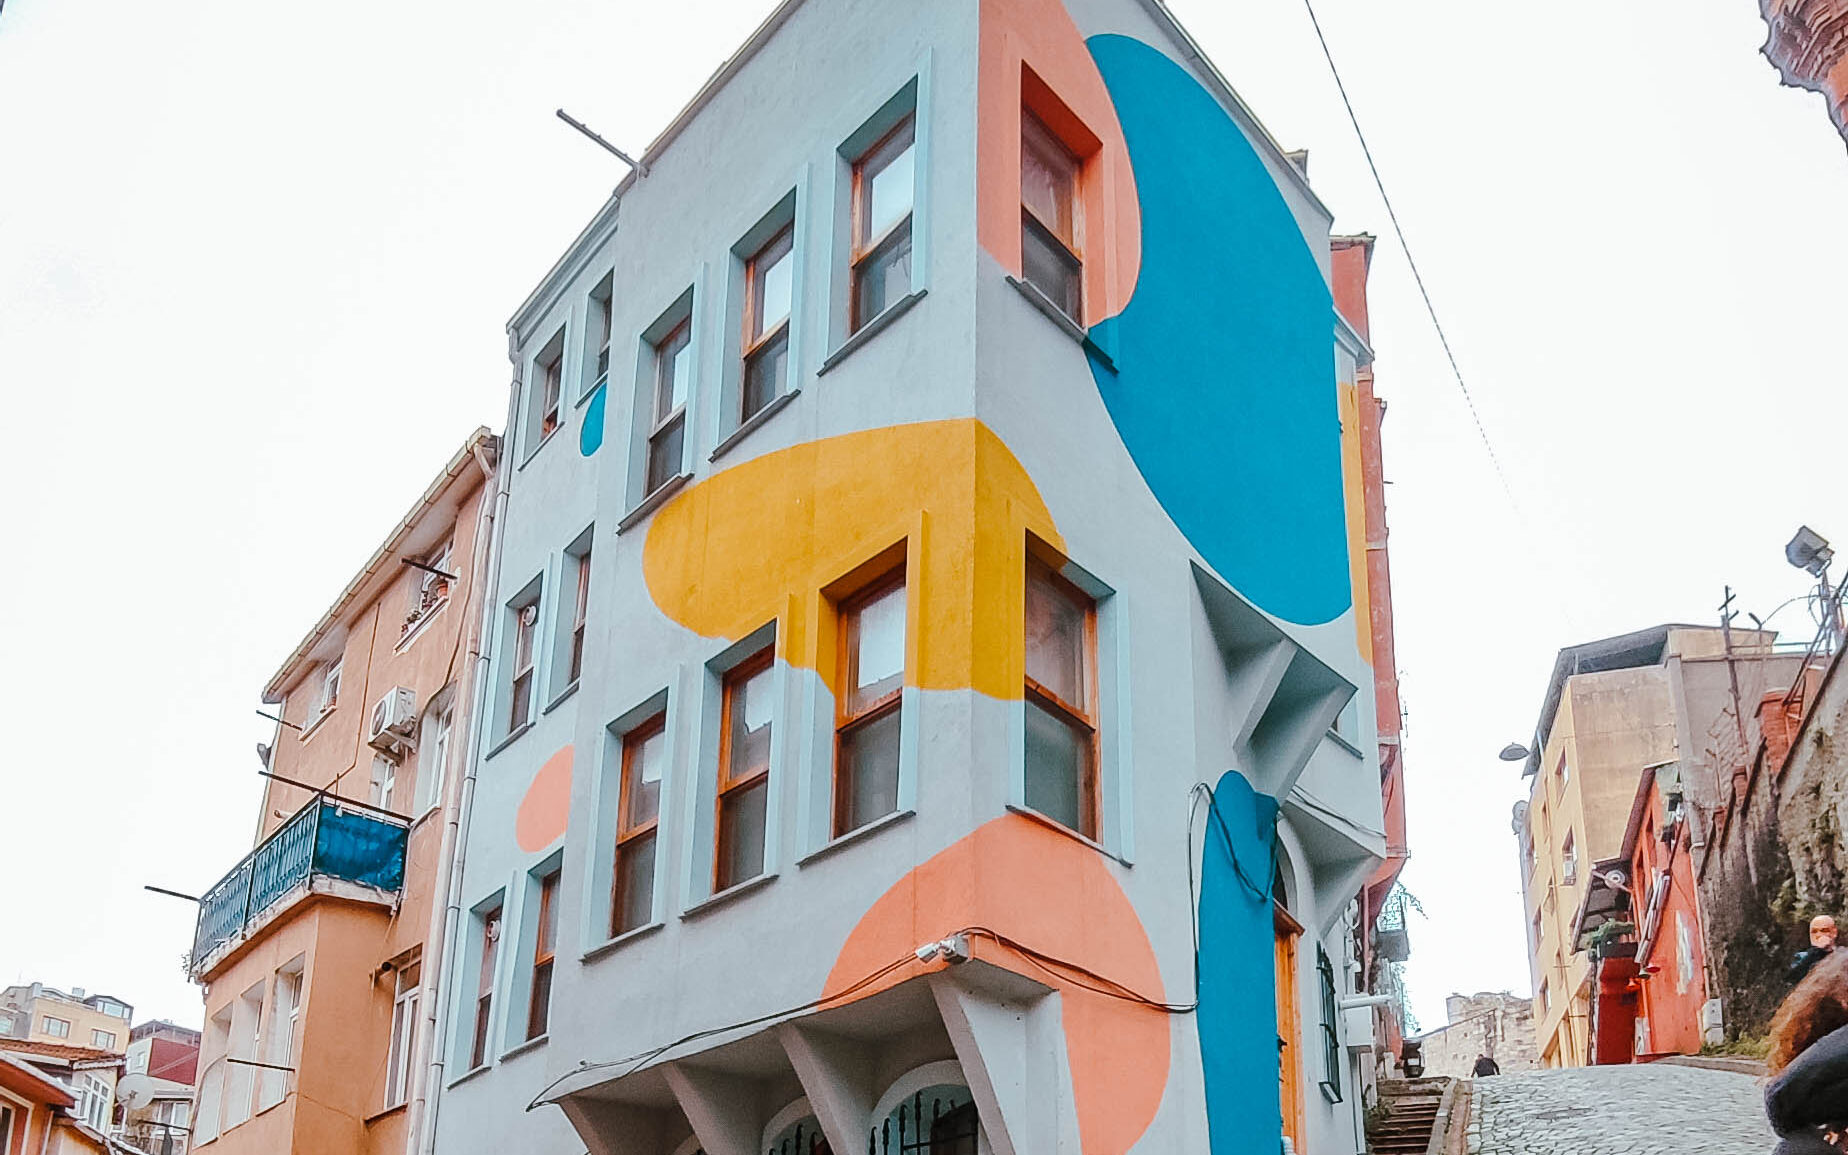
(446, 912)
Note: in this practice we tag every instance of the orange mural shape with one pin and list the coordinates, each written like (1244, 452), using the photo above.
(1034, 57)
(769, 539)
(545, 811)
(1048, 892)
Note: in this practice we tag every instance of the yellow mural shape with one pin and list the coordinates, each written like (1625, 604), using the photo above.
(785, 535)
(1354, 487)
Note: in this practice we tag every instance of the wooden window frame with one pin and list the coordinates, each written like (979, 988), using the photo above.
(727, 785)
(551, 392)
(525, 664)
(627, 830)
(870, 163)
(603, 311)
(1073, 246)
(679, 336)
(1075, 715)
(579, 616)
(756, 343)
(545, 953)
(493, 929)
(846, 718)
(401, 1046)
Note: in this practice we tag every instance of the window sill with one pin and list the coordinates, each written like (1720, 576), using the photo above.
(1054, 824)
(416, 631)
(609, 946)
(467, 1075)
(555, 703)
(587, 394)
(528, 1045)
(872, 329)
(653, 501)
(369, 1120)
(512, 734)
(314, 727)
(543, 442)
(728, 894)
(856, 835)
(1065, 324)
(1345, 744)
(753, 423)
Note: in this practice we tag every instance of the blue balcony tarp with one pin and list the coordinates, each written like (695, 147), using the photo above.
(360, 849)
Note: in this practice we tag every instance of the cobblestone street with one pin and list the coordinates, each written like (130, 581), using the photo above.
(1641, 1110)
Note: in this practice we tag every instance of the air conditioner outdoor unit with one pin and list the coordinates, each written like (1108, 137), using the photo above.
(393, 724)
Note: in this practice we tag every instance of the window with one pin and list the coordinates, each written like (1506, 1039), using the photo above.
(55, 1027)
(1539, 929)
(1568, 861)
(330, 688)
(769, 282)
(432, 588)
(525, 626)
(6, 1128)
(545, 944)
(137, 1064)
(484, 986)
(1565, 772)
(673, 375)
(403, 1045)
(1331, 1037)
(884, 187)
(578, 615)
(744, 771)
(103, 1040)
(246, 1022)
(597, 344)
(1546, 1000)
(384, 781)
(92, 1100)
(551, 378)
(1061, 711)
(644, 754)
(1049, 240)
(867, 723)
(433, 757)
(279, 1049)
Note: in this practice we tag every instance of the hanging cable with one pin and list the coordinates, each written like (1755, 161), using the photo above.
(1406, 248)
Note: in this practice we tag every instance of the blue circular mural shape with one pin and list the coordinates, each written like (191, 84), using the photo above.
(590, 435)
(1224, 381)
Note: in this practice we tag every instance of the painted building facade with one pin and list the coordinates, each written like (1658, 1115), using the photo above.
(1614, 707)
(315, 950)
(925, 702)
(39, 1113)
(43, 1014)
(1809, 46)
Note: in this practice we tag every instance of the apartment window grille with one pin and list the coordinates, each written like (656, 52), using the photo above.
(644, 755)
(884, 189)
(937, 1121)
(526, 627)
(545, 946)
(1049, 216)
(867, 726)
(769, 278)
(744, 772)
(673, 376)
(1061, 700)
(489, 947)
(403, 1045)
(1331, 1037)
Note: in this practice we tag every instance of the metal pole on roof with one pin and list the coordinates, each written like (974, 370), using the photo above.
(640, 168)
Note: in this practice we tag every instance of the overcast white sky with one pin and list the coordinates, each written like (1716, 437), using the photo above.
(256, 260)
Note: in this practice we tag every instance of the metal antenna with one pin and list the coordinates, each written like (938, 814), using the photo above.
(640, 168)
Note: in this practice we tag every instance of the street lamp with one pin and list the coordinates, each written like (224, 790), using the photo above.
(1809, 551)
(1514, 752)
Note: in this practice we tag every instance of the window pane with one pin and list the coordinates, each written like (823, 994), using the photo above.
(1055, 640)
(774, 277)
(664, 453)
(673, 370)
(741, 833)
(1058, 765)
(1049, 268)
(644, 783)
(1048, 179)
(888, 192)
(546, 940)
(763, 376)
(634, 883)
(879, 647)
(883, 277)
(540, 1011)
(522, 699)
(750, 726)
(869, 771)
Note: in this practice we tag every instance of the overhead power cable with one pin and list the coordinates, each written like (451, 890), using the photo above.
(1406, 248)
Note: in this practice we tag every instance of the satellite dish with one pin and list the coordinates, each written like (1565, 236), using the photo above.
(135, 1091)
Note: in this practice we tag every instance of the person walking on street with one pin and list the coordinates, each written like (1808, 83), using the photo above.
(1486, 1066)
(1807, 1098)
(1822, 944)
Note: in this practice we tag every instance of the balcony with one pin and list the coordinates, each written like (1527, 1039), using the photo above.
(326, 847)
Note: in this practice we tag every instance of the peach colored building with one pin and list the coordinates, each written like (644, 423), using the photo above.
(1809, 45)
(318, 951)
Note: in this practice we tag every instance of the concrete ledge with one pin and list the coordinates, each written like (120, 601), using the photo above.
(1738, 1066)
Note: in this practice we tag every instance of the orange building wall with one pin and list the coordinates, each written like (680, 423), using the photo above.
(1671, 996)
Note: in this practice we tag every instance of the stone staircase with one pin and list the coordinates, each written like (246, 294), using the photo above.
(1413, 1112)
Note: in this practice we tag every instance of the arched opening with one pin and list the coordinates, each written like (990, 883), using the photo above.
(928, 1111)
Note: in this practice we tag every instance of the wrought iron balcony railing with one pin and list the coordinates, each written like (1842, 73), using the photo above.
(324, 839)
